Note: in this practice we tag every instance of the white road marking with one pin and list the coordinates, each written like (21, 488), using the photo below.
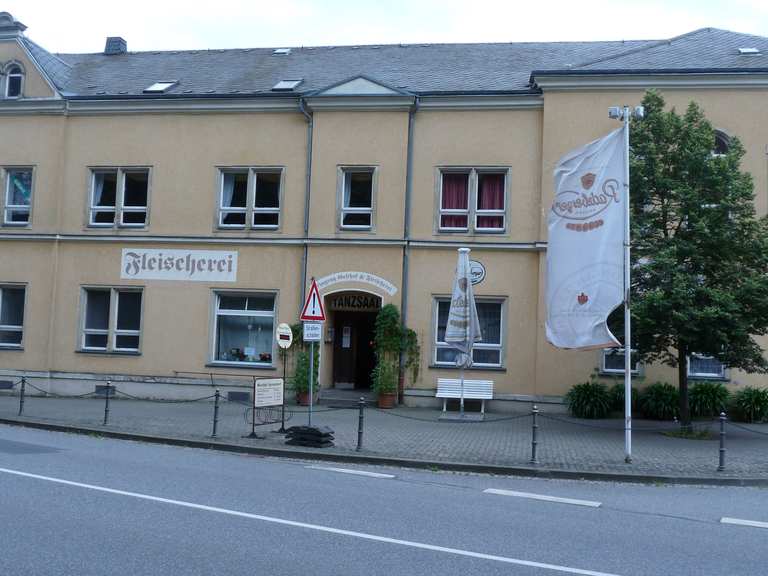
(544, 497)
(740, 522)
(316, 527)
(349, 471)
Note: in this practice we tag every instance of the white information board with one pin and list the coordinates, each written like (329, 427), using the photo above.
(268, 393)
(313, 331)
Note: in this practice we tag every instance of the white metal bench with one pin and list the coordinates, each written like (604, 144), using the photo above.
(473, 390)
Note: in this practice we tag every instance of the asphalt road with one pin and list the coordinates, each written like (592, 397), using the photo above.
(91, 506)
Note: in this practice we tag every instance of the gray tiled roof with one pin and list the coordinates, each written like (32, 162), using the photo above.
(704, 49)
(419, 68)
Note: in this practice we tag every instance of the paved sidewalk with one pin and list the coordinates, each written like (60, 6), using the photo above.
(502, 440)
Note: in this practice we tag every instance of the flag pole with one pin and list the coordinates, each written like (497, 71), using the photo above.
(627, 317)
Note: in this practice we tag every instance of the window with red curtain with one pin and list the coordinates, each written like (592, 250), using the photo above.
(454, 201)
(489, 214)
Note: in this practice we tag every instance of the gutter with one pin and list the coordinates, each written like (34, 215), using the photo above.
(307, 193)
(407, 238)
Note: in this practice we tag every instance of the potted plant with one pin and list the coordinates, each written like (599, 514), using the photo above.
(392, 340)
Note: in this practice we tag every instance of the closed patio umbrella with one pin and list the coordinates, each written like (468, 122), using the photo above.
(463, 327)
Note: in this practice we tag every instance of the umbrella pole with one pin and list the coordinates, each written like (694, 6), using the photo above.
(461, 403)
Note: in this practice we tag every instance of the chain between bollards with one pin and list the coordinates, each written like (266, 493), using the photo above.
(360, 418)
(721, 463)
(21, 395)
(215, 412)
(106, 402)
(534, 434)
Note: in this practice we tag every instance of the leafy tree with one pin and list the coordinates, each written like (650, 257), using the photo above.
(699, 253)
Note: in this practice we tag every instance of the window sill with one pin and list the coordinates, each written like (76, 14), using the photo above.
(14, 225)
(108, 352)
(11, 348)
(708, 377)
(472, 368)
(241, 366)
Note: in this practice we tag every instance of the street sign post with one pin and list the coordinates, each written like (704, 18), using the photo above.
(284, 341)
(312, 314)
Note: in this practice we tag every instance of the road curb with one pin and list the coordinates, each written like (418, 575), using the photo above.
(499, 470)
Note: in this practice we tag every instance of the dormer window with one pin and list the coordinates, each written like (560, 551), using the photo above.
(14, 82)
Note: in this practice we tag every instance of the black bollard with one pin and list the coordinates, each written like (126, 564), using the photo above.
(534, 434)
(106, 402)
(21, 395)
(215, 412)
(360, 418)
(721, 463)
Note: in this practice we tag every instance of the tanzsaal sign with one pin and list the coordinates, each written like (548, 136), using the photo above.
(189, 265)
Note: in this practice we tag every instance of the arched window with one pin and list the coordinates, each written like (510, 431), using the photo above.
(14, 82)
(722, 143)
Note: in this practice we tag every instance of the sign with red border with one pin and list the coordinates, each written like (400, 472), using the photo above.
(313, 308)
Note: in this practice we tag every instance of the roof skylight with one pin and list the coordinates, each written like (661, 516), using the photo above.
(160, 87)
(287, 85)
(749, 50)
(281, 51)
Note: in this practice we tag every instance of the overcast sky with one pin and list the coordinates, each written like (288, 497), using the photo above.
(81, 25)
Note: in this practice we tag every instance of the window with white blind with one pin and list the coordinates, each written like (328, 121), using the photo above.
(487, 352)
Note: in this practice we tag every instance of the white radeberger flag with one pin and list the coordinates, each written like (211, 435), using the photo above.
(585, 250)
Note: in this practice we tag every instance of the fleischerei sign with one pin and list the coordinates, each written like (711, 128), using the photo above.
(184, 265)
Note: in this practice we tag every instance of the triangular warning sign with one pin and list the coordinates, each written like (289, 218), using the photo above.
(313, 307)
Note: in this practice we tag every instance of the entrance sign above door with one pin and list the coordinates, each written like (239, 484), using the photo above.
(354, 302)
(313, 308)
(313, 331)
(361, 277)
(183, 265)
(284, 336)
(476, 271)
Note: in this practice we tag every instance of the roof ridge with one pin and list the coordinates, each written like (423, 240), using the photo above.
(358, 46)
(656, 44)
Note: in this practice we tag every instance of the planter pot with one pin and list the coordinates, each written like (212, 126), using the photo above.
(302, 398)
(387, 400)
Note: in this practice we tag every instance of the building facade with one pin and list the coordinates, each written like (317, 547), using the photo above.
(162, 212)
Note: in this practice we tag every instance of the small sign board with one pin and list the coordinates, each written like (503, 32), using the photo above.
(313, 331)
(284, 336)
(476, 271)
(269, 392)
(313, 308)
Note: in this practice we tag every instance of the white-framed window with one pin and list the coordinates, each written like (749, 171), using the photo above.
(119, 197)
(357, 198)
(472, 199)
(700, 366)
(612, 361)
(486, 353)
(14, 82)
(250, 197)
(17, 204)
(111, 319)
(244, 327)
(11, 316)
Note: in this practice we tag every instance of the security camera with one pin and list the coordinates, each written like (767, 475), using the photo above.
(639, 112)
(614, 113)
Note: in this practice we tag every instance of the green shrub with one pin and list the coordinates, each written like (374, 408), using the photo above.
(751, 404)
(617, 397)
(708, 398)
(659, 401)
(589, 400)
